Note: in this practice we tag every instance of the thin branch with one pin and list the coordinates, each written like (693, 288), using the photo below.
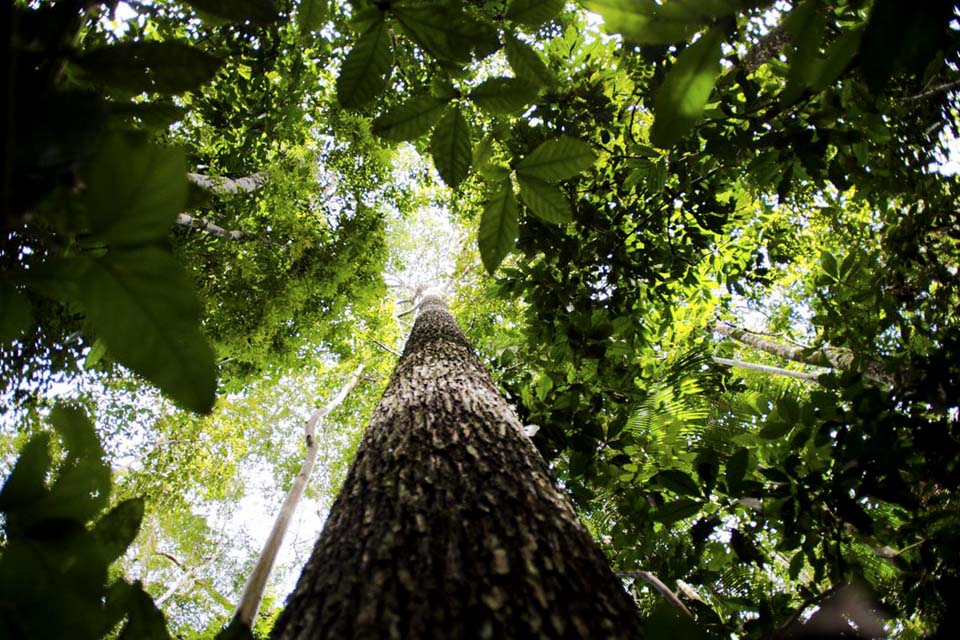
(202, 224)
(384, 347)
(942, 88)
(777, 371)
(661, 588)
(253, 592)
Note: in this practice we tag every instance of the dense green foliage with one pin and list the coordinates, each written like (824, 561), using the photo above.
(624, 181)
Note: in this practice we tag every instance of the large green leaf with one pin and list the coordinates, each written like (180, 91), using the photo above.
(16, 313)
(134, 191)
(677, 481)
(526, 62)
(557, 159)
(311, 14)
(682, 97)
(256, 11)
(545, 200)
(679, 509)
(807, 26)
(27, 481)
(438, 30)
(142, 306)
(650, 22)
(498, 226)
(117, 529)
(504, 95)
(165, 67)
(451, 147)
(411, 119)
(532, 13)
(367, 68)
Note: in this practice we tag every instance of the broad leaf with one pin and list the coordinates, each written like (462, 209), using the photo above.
(807, 26)
(532, 13)
(737, 468)
(143, 307)
(117, 529)
(682, 97)
(545, 200)
(451, 147)
(154, 115)
(504, 96)
(134, 192)
(526, 62)
(27, 481)
(164, 67)
(679, 509)
(311, 15)
(367, 68)
(411, 119)
(677, 481)
(256, 11)
(498, 226)
(649, 22)
(557, 159)
(438, 30)
(16, 314)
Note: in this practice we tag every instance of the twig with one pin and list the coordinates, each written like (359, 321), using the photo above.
(661, 588)
(947, 86)
(384, 347)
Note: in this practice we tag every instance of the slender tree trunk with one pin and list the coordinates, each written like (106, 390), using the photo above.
(820, 357)
(249, 605)
(763, 368)
(448, 525)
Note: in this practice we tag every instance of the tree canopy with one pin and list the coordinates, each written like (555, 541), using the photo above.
(708, 248)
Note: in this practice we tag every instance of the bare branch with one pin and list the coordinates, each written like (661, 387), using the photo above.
(661, 588)
(777, 371)
(229, 186)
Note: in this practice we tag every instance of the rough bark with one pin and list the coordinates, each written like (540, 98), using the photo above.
(448, 525)
(249, 605)
(819, 357)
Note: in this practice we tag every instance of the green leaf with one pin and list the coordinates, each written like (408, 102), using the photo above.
(142, 306)
(737, 468)
(682, 97)
(411, 119)
(544, 200)
(117, 529)
(438, 30)
(451, 147)
(134, 191)
(164, 67)
(526, 62)
(367, 68)
(27, 481)
(256, 11)
(498, 226)
(16, 314)
(97, 351)
(789, 409)
(144, 620)
(649, 22)
(807, 26)
(82, 486)
(504, 96)
(840, 53)
(677, 481)
(557, 159)
(533, 13)
(829, 265)
(311, 15)
(154, 115)
(796, 566)
(775, 427)
(680, 509)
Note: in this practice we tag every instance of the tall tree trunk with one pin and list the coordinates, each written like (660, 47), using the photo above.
(448, 525)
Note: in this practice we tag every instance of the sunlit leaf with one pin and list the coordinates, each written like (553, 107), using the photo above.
(557, 159)
(311, 15)
(526, 62)
(682, 97)
(532, 13)
(142, 306)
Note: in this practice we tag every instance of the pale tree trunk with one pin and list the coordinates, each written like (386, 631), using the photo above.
(763, 368)
(820, 357)
(448, 524)
(253, 592)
